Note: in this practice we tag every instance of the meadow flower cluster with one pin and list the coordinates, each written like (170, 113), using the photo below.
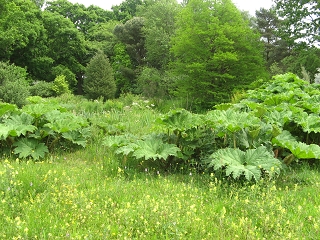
(75, 199)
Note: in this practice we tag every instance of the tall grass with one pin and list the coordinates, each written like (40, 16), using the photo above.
(78, 198)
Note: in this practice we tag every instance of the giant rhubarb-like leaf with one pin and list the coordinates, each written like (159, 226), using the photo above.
(298, 149)
(249, 163)
(28, 147)
(154, 148)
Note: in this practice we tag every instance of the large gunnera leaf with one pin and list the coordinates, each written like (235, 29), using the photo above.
(179, 120)
(30, 148)
(298, 149)
(20, 124)
(250, 163)
(152, 148)
(231, 120)
(7, 108)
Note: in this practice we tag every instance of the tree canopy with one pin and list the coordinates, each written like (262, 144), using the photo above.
(200, 50)
(214, 50)
(301, 20)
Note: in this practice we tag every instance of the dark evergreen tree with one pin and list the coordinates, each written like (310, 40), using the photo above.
(268, 23)
(99, 79)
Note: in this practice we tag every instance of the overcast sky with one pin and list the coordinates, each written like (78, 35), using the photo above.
(247, 5)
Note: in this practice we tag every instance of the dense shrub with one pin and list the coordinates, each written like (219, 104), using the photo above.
(42, 89)
(60, 85)
(69, 75)
(14, 87)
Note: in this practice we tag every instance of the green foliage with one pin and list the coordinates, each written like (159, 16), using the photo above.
(276, 49)
(30, 148)
(70, 77)
(297, 26)
(159, 27)
(252, 163)
(179, 120)
(249, 139)
(20, 27)
(126, 10)
(83, 18)
(14, 87)
(132, 35)
(212, 52)
(150, 83)
(66, 46)
(124, 74)
(7, 108)
(60, 85)
(99, 79)
(299, 149)
(42, 89)
(41, 127)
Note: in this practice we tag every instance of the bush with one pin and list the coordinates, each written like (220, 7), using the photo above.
(60, 85)
(69, 75)
(153, 83)
(14, 87)
(42, 89)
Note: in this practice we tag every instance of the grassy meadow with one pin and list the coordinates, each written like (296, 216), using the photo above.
(90, 193)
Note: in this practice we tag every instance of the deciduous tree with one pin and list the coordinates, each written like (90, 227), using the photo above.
(159, 27)
(301, 21)
(215, 51)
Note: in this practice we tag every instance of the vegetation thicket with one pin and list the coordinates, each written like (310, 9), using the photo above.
(124, 169)
(201, 51)
(159, 120)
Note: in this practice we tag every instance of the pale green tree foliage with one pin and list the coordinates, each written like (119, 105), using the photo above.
(301, 21)
(83, 18)
(126, 10)
(99, 79)
(215, 50)
(159, 26)
(101, 37)
(60, 85)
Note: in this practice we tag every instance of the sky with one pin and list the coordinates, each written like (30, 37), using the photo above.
(246, 5)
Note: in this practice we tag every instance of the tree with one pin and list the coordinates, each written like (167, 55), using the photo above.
(99, 79)
(302, 58)
(124, 74)
(83, 18)
(268, 23)
(20, 27)
(159, 27)
(101, 37)
(60, 85)
(66, 45)
(215, 51)
(132, 35)
(301, 21)
(126, 10)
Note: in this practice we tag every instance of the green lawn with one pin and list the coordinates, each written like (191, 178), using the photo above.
(74, 197)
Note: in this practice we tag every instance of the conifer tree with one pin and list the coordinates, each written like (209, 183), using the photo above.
(99, 79)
